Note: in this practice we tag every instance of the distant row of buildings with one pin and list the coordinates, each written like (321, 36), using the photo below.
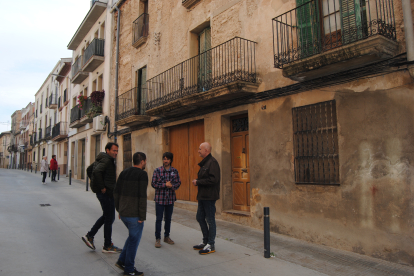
(308, 106)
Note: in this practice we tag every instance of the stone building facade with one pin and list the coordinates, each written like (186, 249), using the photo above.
(310, 117)
(4, 153)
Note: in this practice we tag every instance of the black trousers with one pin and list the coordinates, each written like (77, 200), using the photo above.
(54, 174)
(44, 174)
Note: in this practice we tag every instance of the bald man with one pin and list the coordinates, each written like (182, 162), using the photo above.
(208, 183)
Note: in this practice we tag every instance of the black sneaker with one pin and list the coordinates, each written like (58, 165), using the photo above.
(136, 272)
(207, 250)
(120, 265)
(88, 241)
(199, 246)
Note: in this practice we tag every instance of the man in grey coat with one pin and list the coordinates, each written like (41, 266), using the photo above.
(44, 168)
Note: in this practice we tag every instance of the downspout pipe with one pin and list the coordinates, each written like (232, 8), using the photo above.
(409, 33)
(118, 25)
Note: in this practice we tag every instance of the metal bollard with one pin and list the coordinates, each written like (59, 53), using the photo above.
(58, 173)
(266, 224)
(87, 183)
(36, 169)
(70, 177)
(31, 168)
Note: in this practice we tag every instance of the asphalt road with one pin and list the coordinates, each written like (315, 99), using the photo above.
(46, 240)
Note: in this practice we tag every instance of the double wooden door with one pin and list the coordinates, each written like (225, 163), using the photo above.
(240, 162)
(184, 141)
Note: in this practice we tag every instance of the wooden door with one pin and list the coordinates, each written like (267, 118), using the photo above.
(184, 142)
(240, 162)
(127, 151)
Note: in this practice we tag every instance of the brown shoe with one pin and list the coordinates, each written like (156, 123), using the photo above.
(168, 240)
(158, 243)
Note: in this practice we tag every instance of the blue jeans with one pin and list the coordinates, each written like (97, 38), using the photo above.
(206, 214)
(159, 210)
(107, 219)
(129, 251)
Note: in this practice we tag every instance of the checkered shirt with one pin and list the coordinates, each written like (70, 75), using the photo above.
(164, 195)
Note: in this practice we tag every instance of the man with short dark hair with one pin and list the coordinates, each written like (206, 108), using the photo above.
(165, 181)
(130, 197)
(208, 183)
(104, 180)
(53, 167)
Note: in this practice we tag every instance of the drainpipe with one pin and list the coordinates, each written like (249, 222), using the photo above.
(118, 25)
(409, 33)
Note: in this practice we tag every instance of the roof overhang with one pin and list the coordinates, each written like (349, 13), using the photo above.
(94, 13)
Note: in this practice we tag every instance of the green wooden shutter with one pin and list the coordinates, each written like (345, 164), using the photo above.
(351, 17)
(308, 28)
(205, 59)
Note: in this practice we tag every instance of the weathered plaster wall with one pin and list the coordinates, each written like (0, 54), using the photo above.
(371, 211)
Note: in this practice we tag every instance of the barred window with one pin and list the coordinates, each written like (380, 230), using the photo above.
(315, 137)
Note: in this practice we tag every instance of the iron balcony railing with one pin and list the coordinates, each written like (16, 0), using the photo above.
(53, 99)
(40, 136)
(34, 136)
(48, 132)
(96, 48)
(140, 27)
(31, 140)
(74, 114)
(234, 60)
(87, 105)
(318, 26)
(76, 66)
(59, 102)
(130, 103)
(60, 128)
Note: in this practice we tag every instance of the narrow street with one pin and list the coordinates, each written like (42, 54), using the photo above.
(46, 240)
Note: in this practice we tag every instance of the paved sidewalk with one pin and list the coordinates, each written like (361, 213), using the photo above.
(239, 248)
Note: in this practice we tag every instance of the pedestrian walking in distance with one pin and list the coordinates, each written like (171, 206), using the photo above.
(208, 184)
(44, 168)
(103, 179)
(131, 203)
(53, 167)
(165, 181)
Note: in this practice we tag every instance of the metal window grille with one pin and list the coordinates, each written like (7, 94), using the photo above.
(315, 137)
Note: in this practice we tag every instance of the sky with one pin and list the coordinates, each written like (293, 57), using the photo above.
(33, 37)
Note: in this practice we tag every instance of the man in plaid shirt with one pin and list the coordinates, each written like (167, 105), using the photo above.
(165, 181)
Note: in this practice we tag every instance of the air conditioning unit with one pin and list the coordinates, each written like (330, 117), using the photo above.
(99, 123)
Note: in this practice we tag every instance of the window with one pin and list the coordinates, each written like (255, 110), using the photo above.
(315, 137)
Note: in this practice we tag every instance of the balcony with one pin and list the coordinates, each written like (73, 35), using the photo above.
(130, 108)
(140, 30)
(48, 132)
(35, 140)
(312, 41)
(190, 3)
(94, 55)
(78, 76)
(53, 101)
(75, 117)
(97, 9)
(12, 148)
(40, 136)
(60, 131)
(23, 124)
(223, 73)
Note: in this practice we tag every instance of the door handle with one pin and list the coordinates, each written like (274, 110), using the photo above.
(244, 170)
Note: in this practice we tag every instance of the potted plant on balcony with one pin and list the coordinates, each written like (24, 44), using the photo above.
(81, 101)
(96, 100)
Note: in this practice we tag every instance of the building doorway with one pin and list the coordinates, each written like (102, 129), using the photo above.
(240, 169)
(184, 142)
(83, 159)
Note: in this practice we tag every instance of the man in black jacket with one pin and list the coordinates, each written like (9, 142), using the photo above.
(131, 203)
(208, 183)
(104, 180)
